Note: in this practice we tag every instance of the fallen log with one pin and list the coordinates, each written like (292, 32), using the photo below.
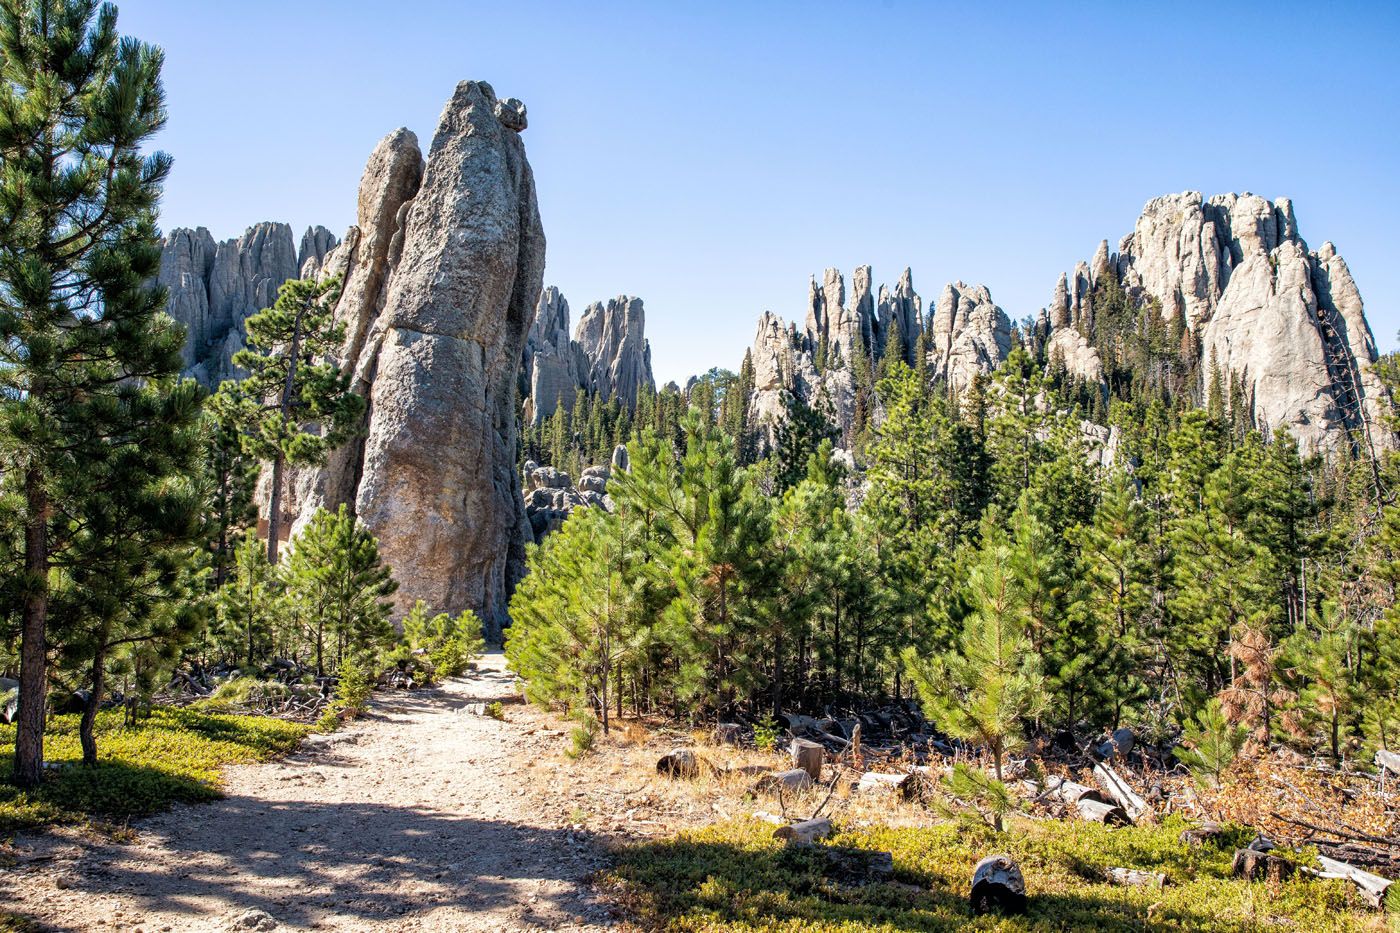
(809, 756)
(793, 780)
(1253, 865)
(1097, 811)
(806, 832)
(997, 884)
(1121, 792)
(1136, 878)
(1069, 792)
(906, 784)
(1373, 887)
(1388, 761)
(857, 867)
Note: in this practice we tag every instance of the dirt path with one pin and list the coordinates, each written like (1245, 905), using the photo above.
(420, 816)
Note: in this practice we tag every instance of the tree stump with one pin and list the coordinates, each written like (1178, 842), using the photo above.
(809, 756)
(1208, 831)
(1253, 865)
(679, 763)
(997, 884)
(728, 733)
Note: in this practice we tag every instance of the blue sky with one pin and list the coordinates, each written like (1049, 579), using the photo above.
(709, 157)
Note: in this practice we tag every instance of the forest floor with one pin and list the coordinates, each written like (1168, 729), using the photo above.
(424, 814)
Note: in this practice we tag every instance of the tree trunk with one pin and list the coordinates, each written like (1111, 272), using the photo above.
(274, 509)
(94, 703)
(33, 651)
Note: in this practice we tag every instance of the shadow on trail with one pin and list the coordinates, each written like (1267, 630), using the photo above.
(365, 861)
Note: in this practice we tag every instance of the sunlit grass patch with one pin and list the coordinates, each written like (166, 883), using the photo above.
(735, 876)
(175, 755)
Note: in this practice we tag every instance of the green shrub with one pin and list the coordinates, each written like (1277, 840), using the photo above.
(174, 755)
(766, 733)
(582, 737)
(353, 688)
(1213, 744)
(496, 711)
(449, 644)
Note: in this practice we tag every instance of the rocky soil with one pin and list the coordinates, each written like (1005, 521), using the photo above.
(424, 815)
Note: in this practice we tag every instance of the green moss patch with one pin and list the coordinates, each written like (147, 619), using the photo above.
(175, 755)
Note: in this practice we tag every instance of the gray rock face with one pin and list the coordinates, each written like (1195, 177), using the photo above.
(555, 366)
(782, 365)
(900, 311)
(608, 355)
(785, 359)
(550, 495)
(1079, 357)
(971, 335)
(439, 486)
(613, 337)
(215, 287)
(364, 262)
(1285, 322)
(316, 242)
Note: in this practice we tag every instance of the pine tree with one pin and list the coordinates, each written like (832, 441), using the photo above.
(985, 689)
(336, 578)
(722, 572)
(246, 608)
(230, 479)
(1116, 572)
(1316, 668)
(78, 251)
(130, 591)
(574, 615)
(295, 405)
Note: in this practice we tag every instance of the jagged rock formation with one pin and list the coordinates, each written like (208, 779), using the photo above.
(1284, 323)
(782, 364)
(316, 242)
(554, 367)
(439, 485)
(613, 338)
(971, 335)
(215, 287)
(835, 333)
(1067, 346)
(900, 312)
(364, 260)
(442, 273)
(608, 355)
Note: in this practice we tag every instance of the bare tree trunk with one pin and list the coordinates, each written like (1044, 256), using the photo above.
(274, 507)
(94, 703)
(33, 652)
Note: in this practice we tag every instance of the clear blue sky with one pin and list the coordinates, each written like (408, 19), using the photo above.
(709, 157)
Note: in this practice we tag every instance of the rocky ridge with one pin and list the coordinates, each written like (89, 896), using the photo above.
(215, 286)
(1284, 321)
